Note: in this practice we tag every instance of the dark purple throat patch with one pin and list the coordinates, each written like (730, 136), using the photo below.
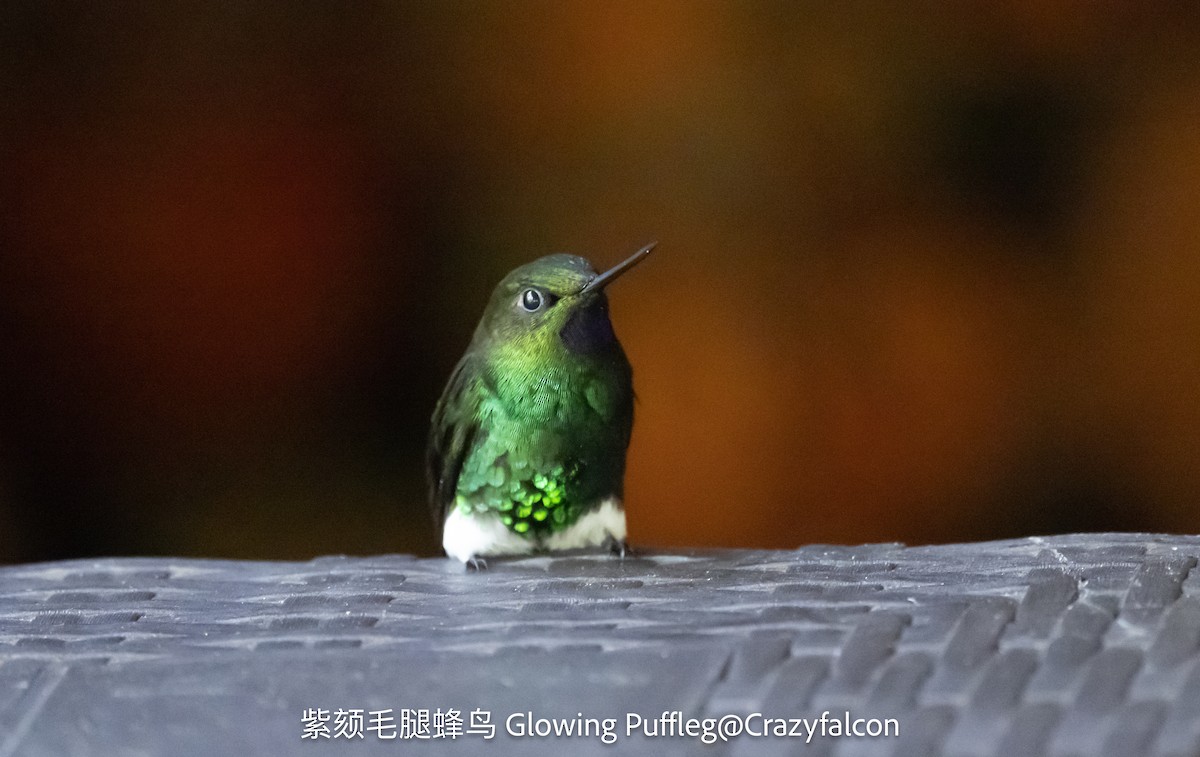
(588, 330)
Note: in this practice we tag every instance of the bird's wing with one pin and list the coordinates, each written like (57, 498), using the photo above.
(455, 431)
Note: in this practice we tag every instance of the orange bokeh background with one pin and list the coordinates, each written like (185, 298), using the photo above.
(926, 273)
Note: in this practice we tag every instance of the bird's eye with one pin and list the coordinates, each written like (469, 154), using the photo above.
(531, 300)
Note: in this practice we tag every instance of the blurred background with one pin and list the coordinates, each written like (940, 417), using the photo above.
(927, 272)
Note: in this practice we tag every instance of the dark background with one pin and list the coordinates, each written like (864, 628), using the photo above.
(927, 272)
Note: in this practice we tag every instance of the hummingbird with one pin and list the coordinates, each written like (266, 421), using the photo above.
(527, 446)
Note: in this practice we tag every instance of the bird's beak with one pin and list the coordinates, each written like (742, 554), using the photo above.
(611, 274)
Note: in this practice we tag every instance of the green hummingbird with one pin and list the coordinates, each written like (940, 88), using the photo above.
(527, 447)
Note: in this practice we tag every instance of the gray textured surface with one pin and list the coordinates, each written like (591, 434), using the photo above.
(1074, 645)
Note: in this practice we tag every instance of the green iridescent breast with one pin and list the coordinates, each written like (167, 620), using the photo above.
(526, 500)
(548, 448)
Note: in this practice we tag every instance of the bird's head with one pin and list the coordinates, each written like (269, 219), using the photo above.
(553, 304)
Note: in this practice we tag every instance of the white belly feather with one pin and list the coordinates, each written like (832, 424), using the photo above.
(484, 535)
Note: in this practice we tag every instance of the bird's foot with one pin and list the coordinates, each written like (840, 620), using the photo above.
(476, 564)
(619, 548)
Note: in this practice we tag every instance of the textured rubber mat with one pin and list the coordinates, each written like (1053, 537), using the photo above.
(1073, 645)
